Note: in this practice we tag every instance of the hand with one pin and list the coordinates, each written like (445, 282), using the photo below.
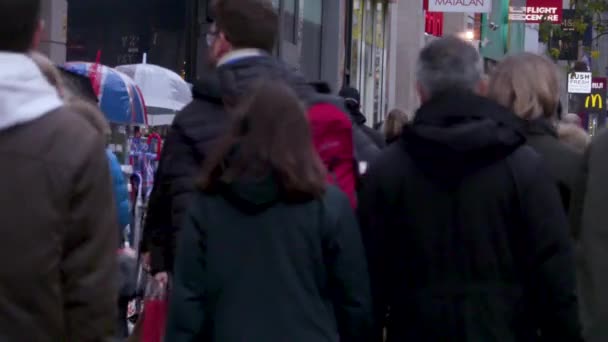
(162, 278)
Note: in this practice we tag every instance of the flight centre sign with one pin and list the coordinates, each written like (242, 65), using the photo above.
(536, 11)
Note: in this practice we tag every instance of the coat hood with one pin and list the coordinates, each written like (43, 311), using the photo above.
(236, 78)
(456, 134)
(540, 127)
(25, 95)
(208, 88)
(252, 196)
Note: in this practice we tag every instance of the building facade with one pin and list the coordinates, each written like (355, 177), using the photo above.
(371, 45)
(172, 34)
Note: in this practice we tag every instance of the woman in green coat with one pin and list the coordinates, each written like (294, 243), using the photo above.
(269, 252)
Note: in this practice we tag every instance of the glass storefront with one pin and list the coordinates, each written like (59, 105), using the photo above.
(311, 39)
(369, 56)
(122, 31)
(301, 35)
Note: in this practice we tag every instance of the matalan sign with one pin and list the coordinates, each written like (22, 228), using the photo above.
(580, 83)
(462, 6)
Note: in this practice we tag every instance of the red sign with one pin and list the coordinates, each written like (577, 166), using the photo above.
(536, 11)
(433, 23)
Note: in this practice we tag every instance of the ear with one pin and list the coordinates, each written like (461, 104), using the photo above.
(422, 93)
(226, 45)
(38, 35)
(483, 87)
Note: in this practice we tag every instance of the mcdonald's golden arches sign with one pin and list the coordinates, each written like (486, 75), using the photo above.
(594, 101)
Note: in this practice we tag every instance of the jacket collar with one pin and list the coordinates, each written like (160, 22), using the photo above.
(25, 95)
(540, 127)
(239, 54)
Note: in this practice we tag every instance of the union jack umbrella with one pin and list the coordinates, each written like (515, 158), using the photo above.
(120, 99)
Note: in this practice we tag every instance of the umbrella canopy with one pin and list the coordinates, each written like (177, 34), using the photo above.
(120, 99)
(164, 91)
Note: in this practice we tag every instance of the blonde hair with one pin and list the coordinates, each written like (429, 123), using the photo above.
(394, 123)
(53, 76)
(528, 84)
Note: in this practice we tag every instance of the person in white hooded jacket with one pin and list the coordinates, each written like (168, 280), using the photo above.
(58, 230)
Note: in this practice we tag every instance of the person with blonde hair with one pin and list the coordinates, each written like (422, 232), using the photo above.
(528, 84)
(97, 120)
(53, 76)
(393, 126)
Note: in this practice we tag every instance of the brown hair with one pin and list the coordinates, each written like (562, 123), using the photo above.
(247, 23)
(528, 84)
(53, 76)
(270, 136)
(394, 123)
(19, 20)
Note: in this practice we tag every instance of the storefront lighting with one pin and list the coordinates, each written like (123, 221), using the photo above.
(469, 35)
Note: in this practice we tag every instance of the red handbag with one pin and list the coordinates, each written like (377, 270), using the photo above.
(156, 310)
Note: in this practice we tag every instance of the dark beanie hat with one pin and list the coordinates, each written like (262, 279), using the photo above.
(350, 93)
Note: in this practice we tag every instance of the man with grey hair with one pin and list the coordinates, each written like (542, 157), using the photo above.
(466, 236)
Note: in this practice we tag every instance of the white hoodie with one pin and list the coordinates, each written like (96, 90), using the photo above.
(25, 95)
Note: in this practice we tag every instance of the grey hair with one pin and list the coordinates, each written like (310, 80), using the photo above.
(449, 63)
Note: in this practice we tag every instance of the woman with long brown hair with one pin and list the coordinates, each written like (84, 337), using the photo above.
(269, 252)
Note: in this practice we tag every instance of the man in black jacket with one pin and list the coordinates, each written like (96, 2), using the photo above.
(241, 43)
(465, 232)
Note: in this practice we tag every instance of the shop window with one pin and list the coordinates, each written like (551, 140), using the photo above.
(369, 56)
(124, 30)
(357, 37)
(311, 39)
(290, 20)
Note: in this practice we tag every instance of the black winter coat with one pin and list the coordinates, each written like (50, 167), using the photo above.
(563, 162)
(192, 134)
(251, 267)
(359, 119)
(466, 236)
(594, 240)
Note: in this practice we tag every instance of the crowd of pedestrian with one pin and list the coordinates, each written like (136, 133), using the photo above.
(277, 214)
